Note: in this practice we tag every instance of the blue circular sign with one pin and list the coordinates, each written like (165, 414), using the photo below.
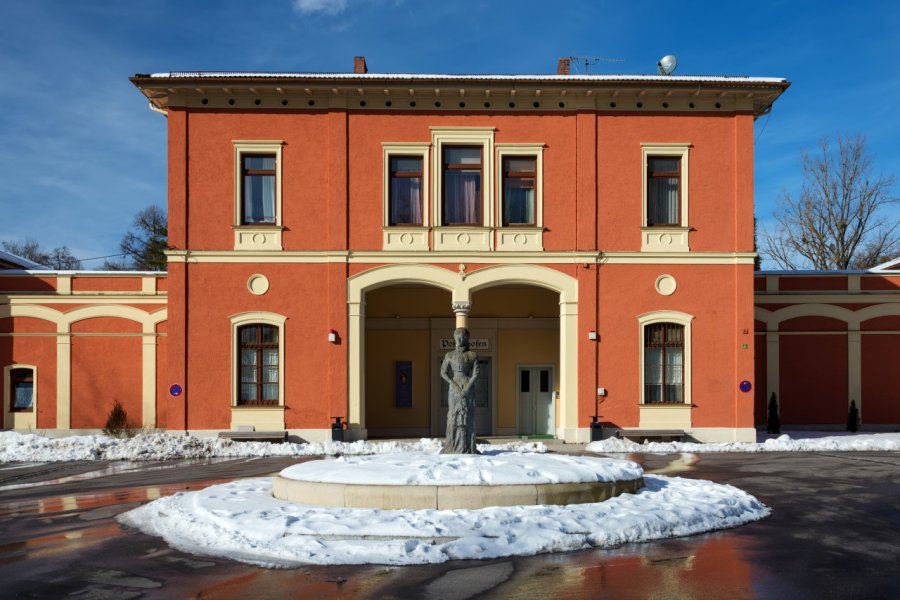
(746, 386)
(175, 390)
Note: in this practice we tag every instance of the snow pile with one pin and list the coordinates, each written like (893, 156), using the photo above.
(873, 442)
(16, 447)
(242, 521)
(496, 468)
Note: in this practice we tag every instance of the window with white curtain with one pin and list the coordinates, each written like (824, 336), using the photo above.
(405, 190)
(21, 390)
(258, 346)
(663, 190)
(257, 189)
(462, 177)
(519, 183)
(663, 363)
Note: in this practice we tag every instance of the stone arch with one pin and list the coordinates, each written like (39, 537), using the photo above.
(461, 285)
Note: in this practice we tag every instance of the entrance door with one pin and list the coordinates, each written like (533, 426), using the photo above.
(483, 425)
(537, 413)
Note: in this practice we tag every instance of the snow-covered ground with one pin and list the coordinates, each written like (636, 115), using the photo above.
(242, 521)
(17, 447)
(791, 441)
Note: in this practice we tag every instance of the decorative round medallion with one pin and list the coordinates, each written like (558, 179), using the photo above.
(665, 239)
(463, 238)
(406, 239)
(520, 239)
(259, 238)
(665, 285)
(258, 284)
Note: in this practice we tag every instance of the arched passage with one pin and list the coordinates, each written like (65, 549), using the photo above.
(423, 296)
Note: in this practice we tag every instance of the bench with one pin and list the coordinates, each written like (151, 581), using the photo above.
(662, 435)
(255, 436)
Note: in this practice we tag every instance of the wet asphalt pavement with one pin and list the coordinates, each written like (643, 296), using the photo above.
(834, 533)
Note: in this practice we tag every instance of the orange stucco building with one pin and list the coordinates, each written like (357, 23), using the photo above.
(327, 232)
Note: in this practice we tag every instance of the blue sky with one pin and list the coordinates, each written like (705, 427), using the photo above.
(80, 153)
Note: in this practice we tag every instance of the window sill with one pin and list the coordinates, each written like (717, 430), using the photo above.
(520, 239)
(406, 238)
(257, 237)
(262, 418)
(462, 239)
(665, 416)
(664, 239)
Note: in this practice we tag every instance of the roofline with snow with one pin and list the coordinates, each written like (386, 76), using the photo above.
(235, 90)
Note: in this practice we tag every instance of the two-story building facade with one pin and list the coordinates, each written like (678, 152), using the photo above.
(328, 232)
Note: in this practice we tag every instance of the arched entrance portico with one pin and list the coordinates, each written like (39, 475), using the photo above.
(462, 286)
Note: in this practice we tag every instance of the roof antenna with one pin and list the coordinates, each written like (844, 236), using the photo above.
(587, 61)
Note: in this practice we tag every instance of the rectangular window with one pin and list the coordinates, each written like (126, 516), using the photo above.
(462, 200)
(22, 388)
(257, 189)
(519, 177)
(258, 349)
(664, 363)
(405, 190)
(663, 186)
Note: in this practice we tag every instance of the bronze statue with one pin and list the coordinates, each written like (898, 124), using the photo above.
(460, 370)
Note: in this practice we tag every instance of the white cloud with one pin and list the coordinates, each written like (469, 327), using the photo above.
(328, 7)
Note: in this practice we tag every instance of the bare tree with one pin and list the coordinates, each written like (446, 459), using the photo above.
(58, 258)
(145, 243)
(839, 220)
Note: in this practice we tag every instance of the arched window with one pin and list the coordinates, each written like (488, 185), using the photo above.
(664, 363)
(258, 375)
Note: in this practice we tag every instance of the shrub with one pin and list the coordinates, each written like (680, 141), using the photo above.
(117, 424)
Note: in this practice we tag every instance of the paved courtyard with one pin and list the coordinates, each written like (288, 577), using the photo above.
(833, 534)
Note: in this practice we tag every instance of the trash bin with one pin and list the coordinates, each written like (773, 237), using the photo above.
(596, 429)
(337, 430)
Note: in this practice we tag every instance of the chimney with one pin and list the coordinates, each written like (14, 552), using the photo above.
(359, 65)
(562, 67)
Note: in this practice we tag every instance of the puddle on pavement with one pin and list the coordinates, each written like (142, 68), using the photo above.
(685, 568)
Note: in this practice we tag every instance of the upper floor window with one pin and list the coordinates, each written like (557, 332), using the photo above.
(462, 176)
(405, 190)
(664, 221)
(257, 189)
(258, 346)
(663, 190)
(664, 363)
(21, 386)
(519, 184)
(257, 195)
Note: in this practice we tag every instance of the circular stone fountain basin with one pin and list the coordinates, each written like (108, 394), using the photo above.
(456, 481)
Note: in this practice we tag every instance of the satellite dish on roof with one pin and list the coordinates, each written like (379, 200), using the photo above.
(667, 64)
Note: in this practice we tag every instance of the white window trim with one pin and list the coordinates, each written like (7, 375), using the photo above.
(257, 237)
(405, 237)
(19, 419)
(464, 238)
(666, 316)
(521, 238)
(250, 318)
(665, 239)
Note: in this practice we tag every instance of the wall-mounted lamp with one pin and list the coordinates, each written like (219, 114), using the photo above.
(333, 336)
(593, 336)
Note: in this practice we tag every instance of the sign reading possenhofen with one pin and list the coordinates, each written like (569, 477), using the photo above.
(474, 344)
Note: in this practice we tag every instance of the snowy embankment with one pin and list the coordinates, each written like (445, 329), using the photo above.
(16, 447)
(242, 521)
(807, 442)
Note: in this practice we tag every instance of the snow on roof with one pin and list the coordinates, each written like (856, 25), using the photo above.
(22, 263)
(722, 79)
(889, 266)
